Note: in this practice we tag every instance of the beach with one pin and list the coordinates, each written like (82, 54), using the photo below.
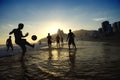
(90, 61)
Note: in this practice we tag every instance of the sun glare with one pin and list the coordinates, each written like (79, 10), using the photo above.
(53, 27)
(54, 30)
(49, 27)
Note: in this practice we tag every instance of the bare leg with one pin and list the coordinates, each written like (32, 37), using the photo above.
(12, 48)
(49, 45)
(7, 48)
(24, 42)
(27, 43)
(74, 45)
(69, 43)
(69, 47)
(23, 47)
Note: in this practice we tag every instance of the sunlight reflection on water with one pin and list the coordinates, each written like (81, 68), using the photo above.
(91, 61)
(90, 58)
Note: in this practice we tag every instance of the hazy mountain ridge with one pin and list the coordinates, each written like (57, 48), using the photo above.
(91, 35)
(79, 35)
(85, 34)
(94, 35)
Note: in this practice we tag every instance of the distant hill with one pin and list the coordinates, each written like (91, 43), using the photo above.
(88, 35)
(85, 34)
(79, 35)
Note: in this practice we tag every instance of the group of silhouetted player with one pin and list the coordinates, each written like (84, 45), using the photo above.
(22, 42)
(70, 39)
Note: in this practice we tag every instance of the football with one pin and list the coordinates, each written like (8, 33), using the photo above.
(34, 37)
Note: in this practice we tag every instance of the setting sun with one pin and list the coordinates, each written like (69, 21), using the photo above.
(53, 30)
(53, 26)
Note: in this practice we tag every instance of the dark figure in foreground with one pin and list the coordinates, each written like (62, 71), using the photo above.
(70, 39)
(49, 40)
(18, 38)
(9, 43)
(58, 40)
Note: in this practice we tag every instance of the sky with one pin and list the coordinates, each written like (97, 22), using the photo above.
(41, 17)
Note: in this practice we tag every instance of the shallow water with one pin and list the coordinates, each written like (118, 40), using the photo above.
(91, 61)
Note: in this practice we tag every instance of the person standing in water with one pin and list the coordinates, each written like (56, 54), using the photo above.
(19, 38)
(49, 37)
(58, 41)
(70, 39)
(9, 43)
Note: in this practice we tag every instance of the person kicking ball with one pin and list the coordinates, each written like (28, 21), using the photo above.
(18, 38)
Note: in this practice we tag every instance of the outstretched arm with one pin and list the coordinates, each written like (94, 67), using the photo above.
(11, 32)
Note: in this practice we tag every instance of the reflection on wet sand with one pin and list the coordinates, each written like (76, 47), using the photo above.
(24, 70)
(91, 61)
(50, 54)
(54, 54)
(72, 57)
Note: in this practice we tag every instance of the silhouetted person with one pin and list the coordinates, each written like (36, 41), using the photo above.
(49, 40)
(61, 34)
(70, 39)
(58, 40)
(18, 38)
(9, 43)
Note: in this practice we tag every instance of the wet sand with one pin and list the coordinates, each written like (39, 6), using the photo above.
(91, 61)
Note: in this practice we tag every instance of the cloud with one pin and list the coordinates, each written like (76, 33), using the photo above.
(28, 25)
(10, 25)
(100, 19)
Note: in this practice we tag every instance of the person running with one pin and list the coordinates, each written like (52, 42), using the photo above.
(9, 43)
(49, 40)
(18, 38)
(58, 40)
(70, 39)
